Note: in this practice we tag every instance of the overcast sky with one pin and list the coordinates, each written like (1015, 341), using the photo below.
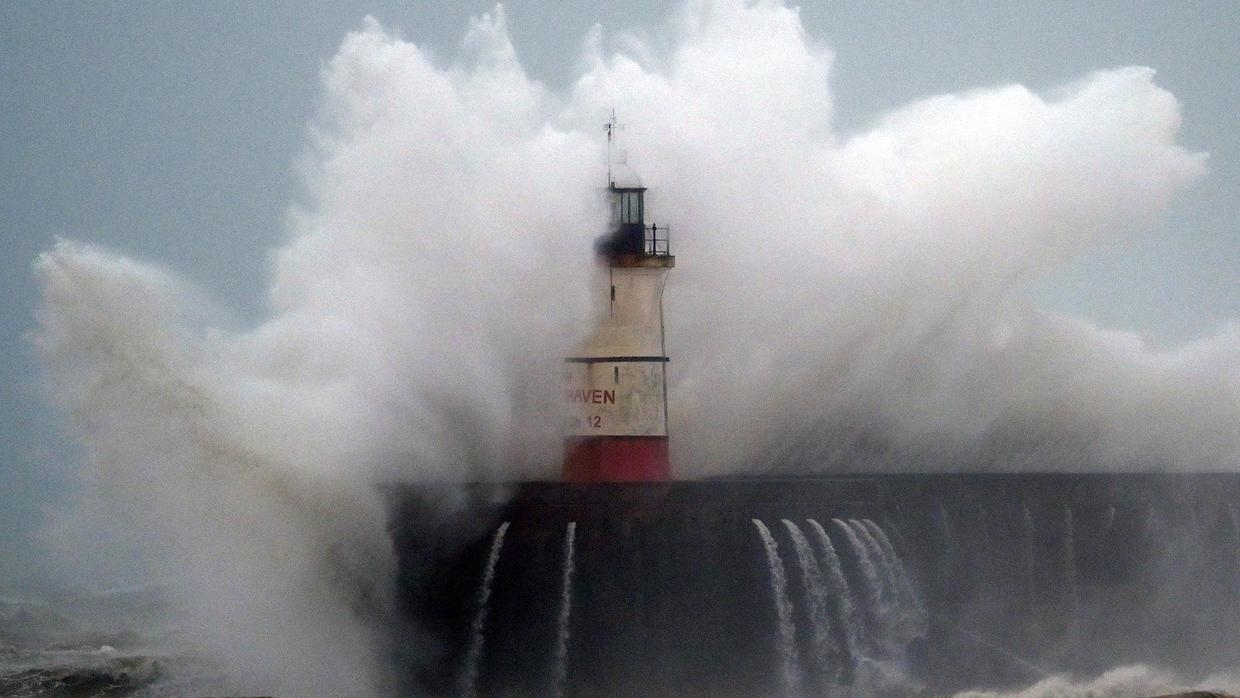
(171, 132)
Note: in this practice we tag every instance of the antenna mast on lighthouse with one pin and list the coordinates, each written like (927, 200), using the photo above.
(611, 127)
(616, 386)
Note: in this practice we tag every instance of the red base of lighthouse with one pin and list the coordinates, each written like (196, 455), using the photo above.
(616, 459)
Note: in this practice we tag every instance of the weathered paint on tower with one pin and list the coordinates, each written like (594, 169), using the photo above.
(616, 386)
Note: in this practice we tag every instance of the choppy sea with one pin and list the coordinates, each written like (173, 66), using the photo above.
(120, 643)
(114, 643)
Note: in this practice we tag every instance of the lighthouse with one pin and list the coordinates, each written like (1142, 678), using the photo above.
(616, 384)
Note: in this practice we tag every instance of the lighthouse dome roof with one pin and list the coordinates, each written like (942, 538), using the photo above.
(624, 177)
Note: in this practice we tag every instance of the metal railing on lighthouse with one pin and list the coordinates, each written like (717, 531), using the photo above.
(658, 240)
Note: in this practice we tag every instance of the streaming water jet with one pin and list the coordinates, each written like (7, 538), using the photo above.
(888, 592)
(566, 607)
(816, 593)
(786, 646)
(473, 656)
(912, 610)
(841, 592)
(871, 587)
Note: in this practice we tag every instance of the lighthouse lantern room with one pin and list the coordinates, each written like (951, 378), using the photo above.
(616, 385)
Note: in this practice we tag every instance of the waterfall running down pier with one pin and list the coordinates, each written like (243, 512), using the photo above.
(846, 606)
(871, 587)
(469, 680)
(897, 619)
(816, 593)
(790, 667)
(886, 577)
(913, 613)
(566, 609)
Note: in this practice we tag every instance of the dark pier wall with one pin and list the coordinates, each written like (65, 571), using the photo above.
(671, 591)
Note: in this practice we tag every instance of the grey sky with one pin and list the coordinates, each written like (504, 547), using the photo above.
(171, 133)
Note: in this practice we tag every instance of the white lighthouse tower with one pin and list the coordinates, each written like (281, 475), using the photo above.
(616, 385)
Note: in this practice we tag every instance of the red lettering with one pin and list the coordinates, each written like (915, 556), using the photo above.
(609, 396)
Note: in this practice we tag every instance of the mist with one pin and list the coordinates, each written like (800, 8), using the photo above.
(841, 301)
(1119, 682)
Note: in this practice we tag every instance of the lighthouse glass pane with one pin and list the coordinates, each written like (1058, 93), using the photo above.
(630, 208)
